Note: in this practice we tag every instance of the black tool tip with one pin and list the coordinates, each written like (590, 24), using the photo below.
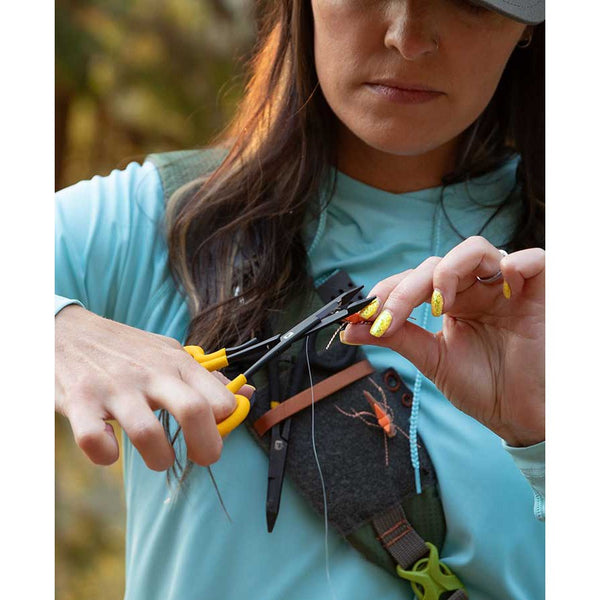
(271, 518)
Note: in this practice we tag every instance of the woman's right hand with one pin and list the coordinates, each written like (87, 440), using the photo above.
(106, 370)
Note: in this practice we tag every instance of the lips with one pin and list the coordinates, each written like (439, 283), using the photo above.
(411, 87)
(409, 94)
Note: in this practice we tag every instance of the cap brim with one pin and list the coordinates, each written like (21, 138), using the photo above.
(530, 12)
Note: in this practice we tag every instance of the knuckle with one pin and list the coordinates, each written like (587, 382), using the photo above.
(192, 409)
(446, 279)
(162, 462)
(432, 260)
(540, 252)
(144, 430)
(92, 443)
(226, 398)
(508, 267)
(476, 240)
(172, 342)
(84, 391)
(399, 295)
(132, 371)
(104, 458)
(443, 271)
(169, 341)
(208, 455)
(187, 366)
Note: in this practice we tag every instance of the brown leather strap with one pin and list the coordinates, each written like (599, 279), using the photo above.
(303, 399)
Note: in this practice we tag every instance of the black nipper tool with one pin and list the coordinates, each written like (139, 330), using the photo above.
(335, 311)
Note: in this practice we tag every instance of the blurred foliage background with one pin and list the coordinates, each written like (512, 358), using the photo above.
(132, 77)
(141, 76)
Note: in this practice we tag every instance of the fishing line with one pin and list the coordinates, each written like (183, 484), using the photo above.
(214, 482)
(314, 445)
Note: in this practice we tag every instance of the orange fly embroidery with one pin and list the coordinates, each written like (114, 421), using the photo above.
(382, 414)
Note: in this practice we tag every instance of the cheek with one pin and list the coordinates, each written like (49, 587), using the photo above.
(341, 56)
(476, 77)
(339, 46)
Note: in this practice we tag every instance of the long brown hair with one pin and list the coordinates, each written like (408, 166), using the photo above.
(278, 149)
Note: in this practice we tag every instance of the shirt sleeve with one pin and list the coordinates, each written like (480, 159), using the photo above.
(531, 460)
(110, 248)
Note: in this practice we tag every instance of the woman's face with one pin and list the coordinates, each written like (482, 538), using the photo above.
(450, 46)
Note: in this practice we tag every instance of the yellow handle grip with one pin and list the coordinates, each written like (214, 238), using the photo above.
(195, 352)
(240, 413)
(211, 362)
(214, 362)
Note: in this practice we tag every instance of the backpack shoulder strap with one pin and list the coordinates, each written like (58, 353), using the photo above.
(182, 166)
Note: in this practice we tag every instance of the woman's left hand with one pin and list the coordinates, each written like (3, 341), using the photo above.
(488, 359)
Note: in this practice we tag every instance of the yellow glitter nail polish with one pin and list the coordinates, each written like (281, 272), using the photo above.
(437, 303)
(506, 290)
(368, 311)
(381, 324)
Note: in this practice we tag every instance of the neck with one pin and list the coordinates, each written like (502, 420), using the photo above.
(391, 172)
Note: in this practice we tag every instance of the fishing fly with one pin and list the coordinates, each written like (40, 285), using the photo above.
(381, 418)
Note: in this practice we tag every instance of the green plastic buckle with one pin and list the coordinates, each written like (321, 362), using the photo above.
(430, 578)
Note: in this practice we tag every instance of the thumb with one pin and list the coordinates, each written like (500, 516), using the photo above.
(419, 346)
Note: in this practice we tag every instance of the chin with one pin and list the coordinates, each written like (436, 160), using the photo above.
(400, 142)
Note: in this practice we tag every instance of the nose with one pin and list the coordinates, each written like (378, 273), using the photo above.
(411, 30)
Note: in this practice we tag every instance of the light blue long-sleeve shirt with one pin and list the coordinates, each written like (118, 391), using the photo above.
(112, 258)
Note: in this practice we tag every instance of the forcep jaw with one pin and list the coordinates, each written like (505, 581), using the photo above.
(341, 302)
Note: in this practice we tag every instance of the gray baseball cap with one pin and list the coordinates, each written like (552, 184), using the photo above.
(530, 12)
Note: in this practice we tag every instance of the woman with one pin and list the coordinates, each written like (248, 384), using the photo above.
(403, 143)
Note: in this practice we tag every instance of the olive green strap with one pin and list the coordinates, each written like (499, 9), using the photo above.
(417, 561)
(182, 166)
(399, 538)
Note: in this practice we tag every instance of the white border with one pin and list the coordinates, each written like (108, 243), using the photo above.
(572, 294)
(27, 151)
(27, 159)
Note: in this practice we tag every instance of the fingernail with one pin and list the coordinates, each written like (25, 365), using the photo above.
(344, 341)
(506, 290)
(381, 324)
(368, 311)
(437, 303)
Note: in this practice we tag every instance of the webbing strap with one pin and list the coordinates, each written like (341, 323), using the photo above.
(182, 166)
(399, 538)
(418, 561)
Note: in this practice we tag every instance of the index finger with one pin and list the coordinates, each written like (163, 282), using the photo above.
(409, 292)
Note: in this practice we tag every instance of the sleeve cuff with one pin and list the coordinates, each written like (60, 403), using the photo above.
(531, 461)
(60, 302)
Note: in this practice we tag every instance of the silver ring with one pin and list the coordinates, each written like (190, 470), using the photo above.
(495, 276)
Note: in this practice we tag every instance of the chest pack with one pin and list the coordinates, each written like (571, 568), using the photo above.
(357, 420)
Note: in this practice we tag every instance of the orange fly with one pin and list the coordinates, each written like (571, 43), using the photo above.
(354, 319)
(382, 414)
